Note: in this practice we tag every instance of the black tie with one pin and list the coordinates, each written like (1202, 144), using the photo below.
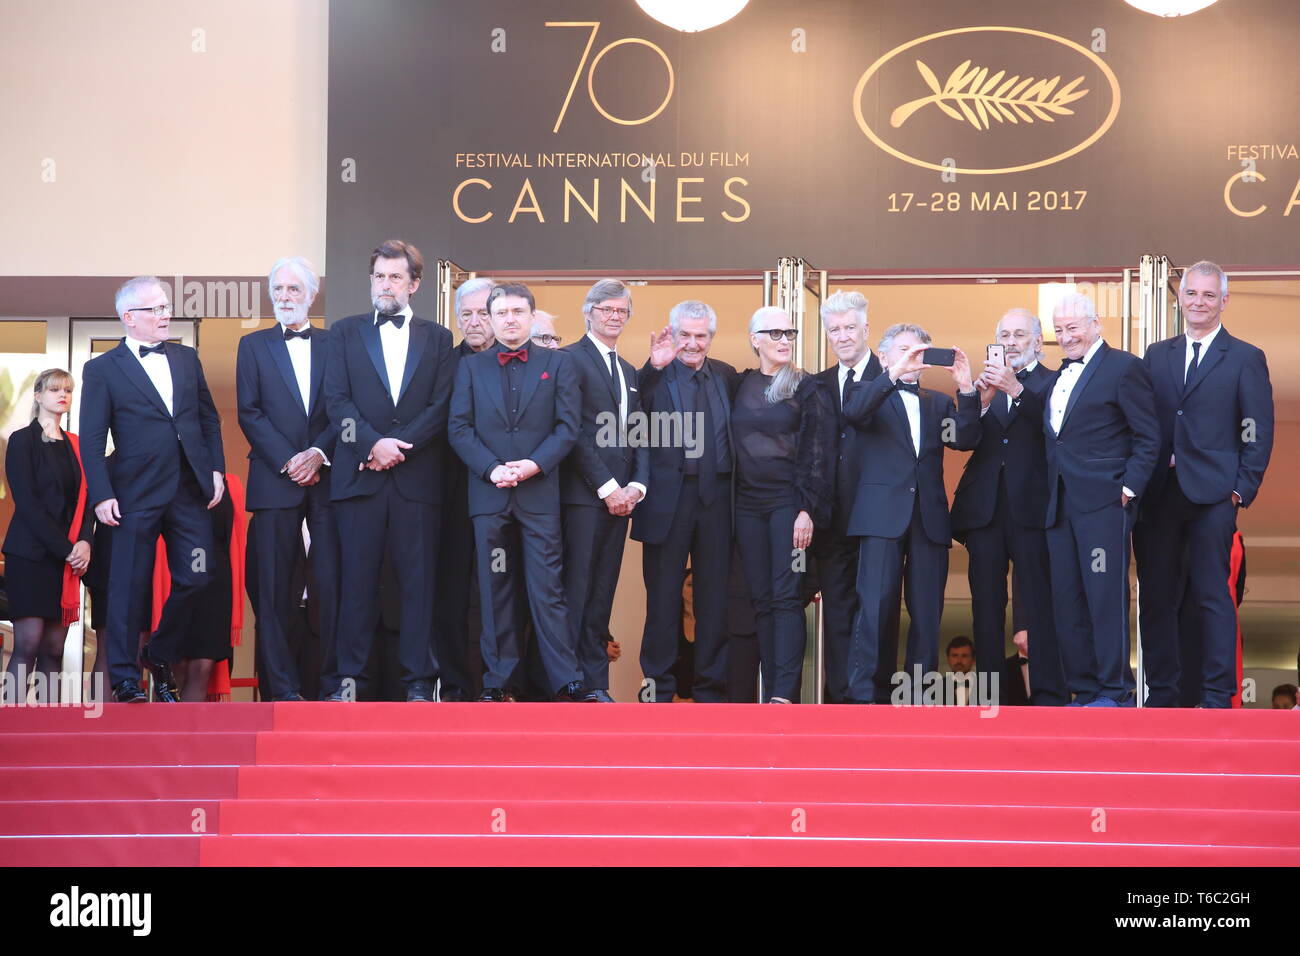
(1191, 369)
(613, 377)
(848, 382)
(301, 334)
(1066, 363)
(912, 387)
(1022, 375)
(396, 318)
(709, 458)
(151, 349)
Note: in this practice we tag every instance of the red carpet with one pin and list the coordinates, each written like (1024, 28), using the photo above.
(405, 784)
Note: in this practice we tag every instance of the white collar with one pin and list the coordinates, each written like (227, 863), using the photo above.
(604, 349)
(1030, 367)
(1205, 342)
(1092, 350)
(132, 341)
(857, 369)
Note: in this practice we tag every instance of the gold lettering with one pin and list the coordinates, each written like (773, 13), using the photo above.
(726, 188)
(683, 199)
(569, 190)
(626, 190)
(1227, 193)
(527, 189)
(1295, 198)
(455, 200)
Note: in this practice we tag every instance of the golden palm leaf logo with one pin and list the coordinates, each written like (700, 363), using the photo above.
(972, 96)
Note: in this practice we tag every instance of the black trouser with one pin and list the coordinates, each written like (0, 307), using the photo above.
(407, 530)
(703, 533)
(593, 556)
(1090, 596)
(990, 548)
(521, 549)
(1184, 552)
(919, 567)
(766, 542)
(458, 665)
(186, 528)
(277, 543)
(837, 565)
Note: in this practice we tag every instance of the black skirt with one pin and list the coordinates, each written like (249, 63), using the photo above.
(34, 587)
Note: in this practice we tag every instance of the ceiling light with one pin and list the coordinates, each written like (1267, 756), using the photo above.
(692, 16)
(1170, 8)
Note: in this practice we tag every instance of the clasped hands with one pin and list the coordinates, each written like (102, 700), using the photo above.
(386, 453)
(621, 502)
(513, 472)
(304, 467)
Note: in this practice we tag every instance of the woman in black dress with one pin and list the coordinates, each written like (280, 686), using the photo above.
(782, 423)
(47, 547)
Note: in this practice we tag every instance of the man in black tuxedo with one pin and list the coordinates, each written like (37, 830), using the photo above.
(388, 376)
(459, 667)
(165, 474)
(900, 511)
(278, 375)
(1215, 406)
(1102, 438)
(514, 418)
(844, 317)
(603, 479)
(998, 508)
(688, 507)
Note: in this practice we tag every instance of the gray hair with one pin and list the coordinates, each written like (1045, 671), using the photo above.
(894, 331)
(471, 287)
(842, 303)
(1027, 313)
(786, 380)
(1077, 303)
(692, 309)
(299, 265)
(1206, 268)
(604, 290)
(129, 292)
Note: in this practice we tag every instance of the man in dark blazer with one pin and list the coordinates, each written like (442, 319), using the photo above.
(1214, 401)
(514, 418)
(688, 506)
(999, 505)
(460, 670)
(1102, 438)
(844, 317)
(900, 511)
(602, 480)
(387, 383)
(165, 474)
(278, 376)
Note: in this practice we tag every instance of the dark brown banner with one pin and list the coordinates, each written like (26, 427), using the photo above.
(872, 134)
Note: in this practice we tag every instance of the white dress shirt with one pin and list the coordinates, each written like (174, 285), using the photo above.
(912, 405)
(858, 371)
(611, 486)
(1065, 384)
(300, 358)
(1187, 359)
(157, 368)
(395, 343)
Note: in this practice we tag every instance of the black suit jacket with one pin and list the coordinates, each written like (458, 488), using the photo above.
(1109, 437)
(361, 408)
(1010, 443)
(272, 415)
(484, 435)
(847, 466)
(892, 476)
(42, 515)
(118, 396)
(593, 462)
(1203, 425)
(661, 392)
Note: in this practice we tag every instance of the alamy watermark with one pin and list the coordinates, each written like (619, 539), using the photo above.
(683, 430)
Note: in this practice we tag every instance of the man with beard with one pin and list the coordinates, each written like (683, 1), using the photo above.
(1000, 503)
(278, 375)
(387, 383)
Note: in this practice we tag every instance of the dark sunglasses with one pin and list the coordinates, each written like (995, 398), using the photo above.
(776, 334)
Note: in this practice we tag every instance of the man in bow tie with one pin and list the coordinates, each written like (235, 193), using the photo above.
(998, 508)
(278, 376)
(515, 415)
(166, 471)
(388, 376)
(1102, 437)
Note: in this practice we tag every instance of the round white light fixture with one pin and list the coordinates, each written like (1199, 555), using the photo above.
(692, 16)
(1170, 8)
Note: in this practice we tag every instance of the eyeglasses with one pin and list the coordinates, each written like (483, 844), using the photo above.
(158, 310)
(545, 338)
(776, 334)
(611, 312)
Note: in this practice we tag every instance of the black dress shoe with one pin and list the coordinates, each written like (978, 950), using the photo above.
(164, 684)
(571, 692)
(279, 700)
(421, 691)
(129, 692)
(598, 697)
(492, 694)
(337, 697)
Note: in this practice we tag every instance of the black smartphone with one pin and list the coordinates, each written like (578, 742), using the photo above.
(939, 357)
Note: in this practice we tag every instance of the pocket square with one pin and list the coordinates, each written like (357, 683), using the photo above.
(545, 376)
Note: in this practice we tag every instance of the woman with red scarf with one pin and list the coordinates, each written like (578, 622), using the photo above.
(47, 548)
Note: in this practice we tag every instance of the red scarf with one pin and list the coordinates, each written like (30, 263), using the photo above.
(70, 599)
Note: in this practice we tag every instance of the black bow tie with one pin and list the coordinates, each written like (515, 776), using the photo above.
(912, 387)
(396, 318)
(1022, 375)
(300, 334)
(1066, 363)
(151, 349)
